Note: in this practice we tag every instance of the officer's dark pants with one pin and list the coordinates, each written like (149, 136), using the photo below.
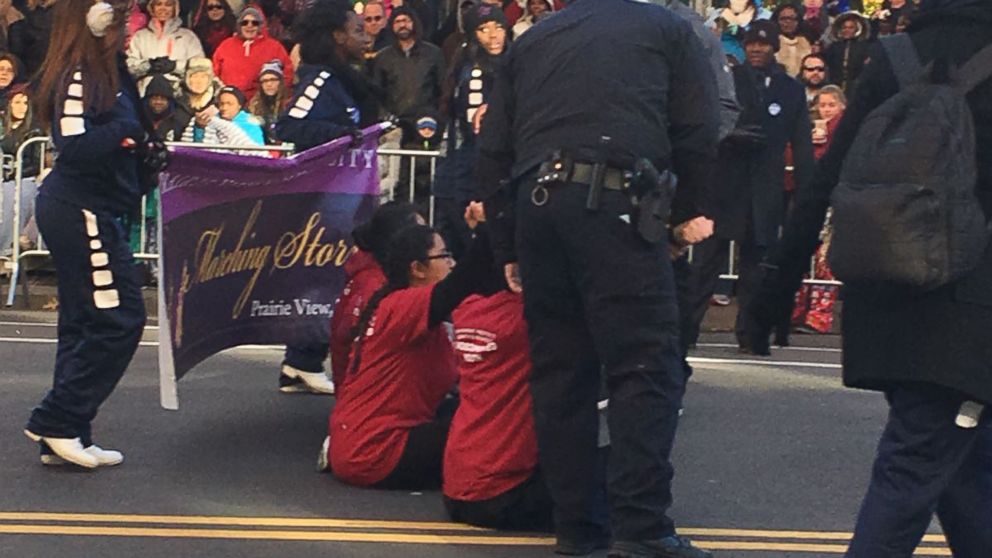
(308, 358)
(449, 221)
(926, 464)
(101, 315)
(596, 294)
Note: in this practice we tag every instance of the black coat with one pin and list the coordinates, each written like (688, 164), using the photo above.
(941, 337)
(751, 180)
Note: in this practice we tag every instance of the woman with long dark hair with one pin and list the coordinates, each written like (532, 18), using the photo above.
(90, 101)
(390, 424)
(213, 23)
(331, 99)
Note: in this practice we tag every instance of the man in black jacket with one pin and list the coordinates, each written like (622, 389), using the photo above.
(930, 354)
(750, 188)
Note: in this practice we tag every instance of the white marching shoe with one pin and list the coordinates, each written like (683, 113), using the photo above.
(69, 449)
(323, 462)
(293, 380)
(105, 458)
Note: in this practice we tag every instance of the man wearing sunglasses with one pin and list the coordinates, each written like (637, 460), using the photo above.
(374, 17)
(239, 59)
(814, 75)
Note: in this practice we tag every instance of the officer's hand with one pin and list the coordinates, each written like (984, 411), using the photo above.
(694, 231)
(480, 113)
(474, 214)
(511, 272)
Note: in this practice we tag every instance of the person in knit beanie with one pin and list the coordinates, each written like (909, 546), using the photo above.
(239, 59)
(271, 99)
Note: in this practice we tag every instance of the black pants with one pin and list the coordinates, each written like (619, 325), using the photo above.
(449, 221)
(308, 358)
(926, 464)
(525, 507)
(599, 298)
(101, 315)
(420, 465)
(709, 261)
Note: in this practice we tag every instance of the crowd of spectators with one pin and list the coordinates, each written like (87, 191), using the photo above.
(222, 71)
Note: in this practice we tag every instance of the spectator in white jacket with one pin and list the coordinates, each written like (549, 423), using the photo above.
(163, 47)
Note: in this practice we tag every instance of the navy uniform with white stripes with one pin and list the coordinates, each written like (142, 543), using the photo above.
(93, 183)
(321, 110)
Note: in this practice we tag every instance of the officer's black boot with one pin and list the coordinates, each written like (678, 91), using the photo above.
(668, 547)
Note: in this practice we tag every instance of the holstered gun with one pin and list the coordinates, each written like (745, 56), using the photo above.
(652, 193)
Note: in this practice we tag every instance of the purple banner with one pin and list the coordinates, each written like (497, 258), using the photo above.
(252, 248)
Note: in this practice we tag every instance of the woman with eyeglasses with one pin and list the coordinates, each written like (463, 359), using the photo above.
(390, 425)
(239, 59)
(213, 23)
(794, 45)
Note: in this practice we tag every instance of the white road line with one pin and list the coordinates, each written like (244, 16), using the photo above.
(43, 341)
(779, 363)
(790, 348)
(51, 324)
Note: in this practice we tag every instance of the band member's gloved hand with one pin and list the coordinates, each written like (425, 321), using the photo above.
(357, 137)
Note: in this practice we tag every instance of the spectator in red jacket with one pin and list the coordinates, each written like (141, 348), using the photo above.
(239, 59)
(365, 277)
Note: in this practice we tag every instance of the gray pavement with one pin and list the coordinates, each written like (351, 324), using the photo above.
(772, 458)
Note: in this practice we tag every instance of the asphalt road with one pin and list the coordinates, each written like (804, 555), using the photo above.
(772, 459)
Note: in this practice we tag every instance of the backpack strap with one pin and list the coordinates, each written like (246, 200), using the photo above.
(976, 70)
(904, 59)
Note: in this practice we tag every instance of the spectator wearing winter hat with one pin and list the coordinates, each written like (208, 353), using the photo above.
(410, 73)
(847, 54)
(467, 90)
(160, 100)
(197, 93)
(239, 59)
(164, 47)
(271, 99)
(750, 196)
(536, 10)
(231, 105)
(213, 23)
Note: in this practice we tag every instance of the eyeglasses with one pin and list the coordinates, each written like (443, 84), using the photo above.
(814, 68)
(212, 7)
(249, 23)
(370, 19)
(441, 256)
(270, 80)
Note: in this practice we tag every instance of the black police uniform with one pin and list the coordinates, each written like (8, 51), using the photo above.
(597, 296)
(94, 182)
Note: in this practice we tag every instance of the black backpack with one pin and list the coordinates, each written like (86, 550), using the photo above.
(905, 213)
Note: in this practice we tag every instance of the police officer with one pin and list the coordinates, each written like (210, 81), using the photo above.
(93, 108)
(587, 95)
(331, 99)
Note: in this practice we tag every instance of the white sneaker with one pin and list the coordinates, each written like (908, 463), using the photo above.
(293, 380)
(69, 449)
(323, 462)
(105, 458)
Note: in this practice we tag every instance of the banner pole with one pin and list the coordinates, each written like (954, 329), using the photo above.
(168, 390)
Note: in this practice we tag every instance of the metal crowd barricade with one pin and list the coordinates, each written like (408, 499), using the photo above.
(392, 163)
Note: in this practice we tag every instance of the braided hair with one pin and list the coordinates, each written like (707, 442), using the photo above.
(408, 245)
(374, 235)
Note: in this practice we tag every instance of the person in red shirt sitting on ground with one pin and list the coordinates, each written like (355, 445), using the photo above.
(365, 277)
(491, 475)
(390, 424)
